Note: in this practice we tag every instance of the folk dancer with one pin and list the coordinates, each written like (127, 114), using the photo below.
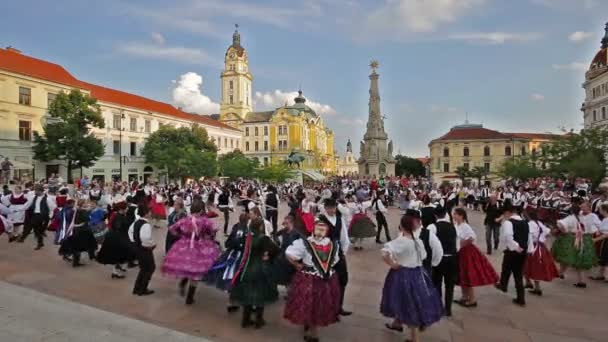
(379, 209)
(116, 249)
(540, 265)
(38, 214)
(601, 243)
(140, 234)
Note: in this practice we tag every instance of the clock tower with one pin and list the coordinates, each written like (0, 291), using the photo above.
(236, 84)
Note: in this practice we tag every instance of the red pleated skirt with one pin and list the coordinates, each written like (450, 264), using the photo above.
(540, 265)
(474, 268)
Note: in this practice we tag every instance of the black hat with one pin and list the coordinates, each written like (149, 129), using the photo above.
(330, 202)
(412, 213)
(439, 211)
(508, 207)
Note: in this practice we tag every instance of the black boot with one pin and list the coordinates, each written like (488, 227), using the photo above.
(190, 296)
(246, 322)
(259, 317)
(182, 287)
(76, 260)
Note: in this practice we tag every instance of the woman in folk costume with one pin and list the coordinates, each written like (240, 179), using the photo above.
(601, 243)
(313, 300)
(116, 248)
(409, 296)
(252, 285)
(306, 211)
(225, 267)
(474, 268)
(194, 254)
(539, 265)
(97, 220)
(6, 226)
(17, 203)
(60, 200)
(178, 212)
(361, 226)
(573, 247)
(78, 236)
(157, 205)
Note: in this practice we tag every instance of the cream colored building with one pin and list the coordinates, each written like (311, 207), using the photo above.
(28, 85)
(347, 165)
(596, 88)
(472, 145)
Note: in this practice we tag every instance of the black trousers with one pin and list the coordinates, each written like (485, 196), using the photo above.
(381, 221)
(446, 274)
(492, 231)
(145, 257)
(226, 212)
(342, 271)
(273, 217)
(36, 222)
(513, 263)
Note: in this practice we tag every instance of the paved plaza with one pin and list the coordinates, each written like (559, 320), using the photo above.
(54, 302)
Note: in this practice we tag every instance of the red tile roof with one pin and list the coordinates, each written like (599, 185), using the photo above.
(424, 160)
(22, 64)
(541, 136)
(600, 59)
(480, 133)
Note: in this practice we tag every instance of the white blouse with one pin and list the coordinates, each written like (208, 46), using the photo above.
(405, 251)
(465, 232)
(590, 222)
(604, 226)
(538, 232)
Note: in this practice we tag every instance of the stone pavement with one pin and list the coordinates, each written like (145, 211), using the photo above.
(28, 316)
(563, 314)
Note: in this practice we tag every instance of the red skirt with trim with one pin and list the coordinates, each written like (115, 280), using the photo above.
(308, 219)
(540, 265)
(474, 268)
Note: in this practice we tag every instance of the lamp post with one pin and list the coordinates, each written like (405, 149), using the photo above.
(122, 116)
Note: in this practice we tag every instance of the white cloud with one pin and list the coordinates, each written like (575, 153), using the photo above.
(576, 66)
(158, 38)
(406, 16)
(436, 108)
(579, 36)
(278, 98)
(496, 38)
(567, 4)
(187, 94)
(170, 53)
(537, 97)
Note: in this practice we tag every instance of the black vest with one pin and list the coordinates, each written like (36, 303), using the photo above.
(425, 237)
(521, 232)
(271, 200)
(44, 207)
(446, 233)
(136, 228)
(223, 199)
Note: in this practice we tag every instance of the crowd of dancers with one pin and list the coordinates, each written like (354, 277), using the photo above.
(434, 251)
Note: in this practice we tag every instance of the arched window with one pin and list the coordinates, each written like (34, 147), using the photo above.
(446, 152)
(486, 151)
(465, 151)
(508, 151)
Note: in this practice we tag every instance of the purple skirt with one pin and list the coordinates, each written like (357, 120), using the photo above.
(410, 297)
(193, 263)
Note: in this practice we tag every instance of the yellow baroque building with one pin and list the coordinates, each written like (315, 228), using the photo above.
(472, 145)
(270, 136)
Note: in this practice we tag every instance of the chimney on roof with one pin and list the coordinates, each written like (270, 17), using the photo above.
(12, 49)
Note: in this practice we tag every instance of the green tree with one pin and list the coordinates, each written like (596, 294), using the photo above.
(67, 132)
(478, 172)
(235, 164)
(184, 152)
(462, 173)
(409, 166)
(519, 168)
(274, 173)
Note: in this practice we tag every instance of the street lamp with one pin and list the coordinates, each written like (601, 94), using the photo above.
(122, 116)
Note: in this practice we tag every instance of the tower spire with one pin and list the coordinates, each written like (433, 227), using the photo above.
(375, 121)
(236, 37)
(605, 39)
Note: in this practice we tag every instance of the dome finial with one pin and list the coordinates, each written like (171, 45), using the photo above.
(300, 98)
(605, 39)
(236, 37)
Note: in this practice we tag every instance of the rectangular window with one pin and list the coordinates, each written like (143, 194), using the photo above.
(265, 145)
(603, 113)
(486, 166)
(257, 132)
(237, 144)
(225, 142)
(247, 146)
(116, 147)
(265, 130)
(446, 167)
(231, 99)
(133, 124)
(148, 126)
(133, 149)
(231, 85)
(466, 166)
(25, 96)
(246, 131)
(594, 115)
(265, 161)
(116, 121)
(25, 130)
(231, 143)
(257, 146)
(50, 97)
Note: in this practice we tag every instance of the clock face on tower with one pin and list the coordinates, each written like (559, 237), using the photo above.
(232, 55)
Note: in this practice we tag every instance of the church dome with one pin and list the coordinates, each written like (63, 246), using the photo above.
(599, 64)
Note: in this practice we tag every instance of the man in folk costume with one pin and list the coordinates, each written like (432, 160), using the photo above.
(37, 216)
(517, 241)
(140, 233)
(17, 203)
(338, 233)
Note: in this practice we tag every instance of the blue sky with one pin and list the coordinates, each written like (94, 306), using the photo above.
(512, 65)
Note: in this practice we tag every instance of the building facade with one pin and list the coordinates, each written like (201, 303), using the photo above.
(347, 165)
(270, 136)
(472, 145)
(27, 87)
(376, 150)
(596, 88)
